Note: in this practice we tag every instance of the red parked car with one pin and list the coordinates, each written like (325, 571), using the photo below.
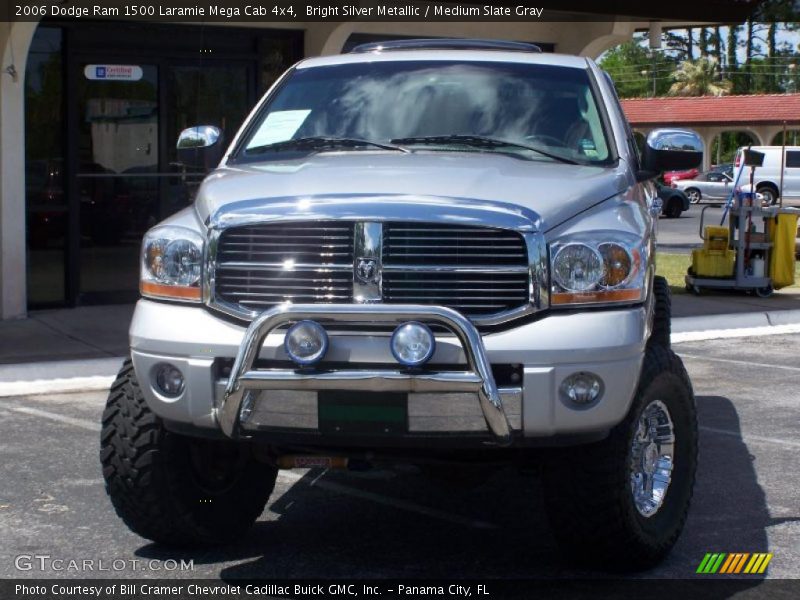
(670, 176)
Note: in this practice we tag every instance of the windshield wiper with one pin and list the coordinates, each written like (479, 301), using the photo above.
(322, 143)
(479, 141)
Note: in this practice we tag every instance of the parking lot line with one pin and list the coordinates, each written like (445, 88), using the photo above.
(750, 438)
(35, 412)
(739, 362)
(290, 477)
(386, 501)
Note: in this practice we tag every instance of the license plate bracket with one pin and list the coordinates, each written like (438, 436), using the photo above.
(362, 413)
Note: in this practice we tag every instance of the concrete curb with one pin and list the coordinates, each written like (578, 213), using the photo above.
(97, 374)
(732, 321)
(60, 369)
(783, 317)
(60, 376)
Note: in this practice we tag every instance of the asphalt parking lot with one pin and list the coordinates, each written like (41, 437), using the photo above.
(385, 525)
(678, 234)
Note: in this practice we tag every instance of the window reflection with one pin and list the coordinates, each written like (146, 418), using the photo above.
(537, 105)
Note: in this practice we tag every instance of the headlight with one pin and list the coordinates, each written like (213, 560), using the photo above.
(598, 268)
(172, 261)
(577, 267)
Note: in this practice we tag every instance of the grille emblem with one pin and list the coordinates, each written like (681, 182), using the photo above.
(367, 265)
(367, 270)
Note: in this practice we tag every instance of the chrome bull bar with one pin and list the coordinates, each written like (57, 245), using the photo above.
(478, 378)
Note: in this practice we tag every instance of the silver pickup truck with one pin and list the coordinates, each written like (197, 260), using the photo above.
(432, 251)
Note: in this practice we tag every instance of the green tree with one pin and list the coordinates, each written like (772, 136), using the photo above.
(699, 78)
(716, 40)
(730, 48)
(725, 145)
(766, 62)
(633, 68)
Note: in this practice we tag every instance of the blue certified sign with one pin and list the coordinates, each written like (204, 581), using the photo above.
(113, 72)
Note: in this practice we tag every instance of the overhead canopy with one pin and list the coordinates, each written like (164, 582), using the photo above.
(761, 109)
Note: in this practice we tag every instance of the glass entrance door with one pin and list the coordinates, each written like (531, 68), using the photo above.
(103, 111)
(127, 173)
(45, 200)
(117, 166)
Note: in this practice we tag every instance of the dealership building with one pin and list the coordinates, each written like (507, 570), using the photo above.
(90, 111)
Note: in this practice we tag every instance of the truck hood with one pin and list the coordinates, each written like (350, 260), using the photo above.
(543, 192)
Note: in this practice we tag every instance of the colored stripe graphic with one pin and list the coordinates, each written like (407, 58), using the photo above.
(711, 563)
(715, 567)
(731, 560)
(752, 562)
(758, 564)
(702, 567)
(765, 563)
(739, 565)
(734, 563)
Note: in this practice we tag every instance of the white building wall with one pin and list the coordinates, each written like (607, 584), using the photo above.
(14, 44)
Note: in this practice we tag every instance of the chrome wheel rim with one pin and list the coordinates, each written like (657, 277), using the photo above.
(652, 458)
(694, 197)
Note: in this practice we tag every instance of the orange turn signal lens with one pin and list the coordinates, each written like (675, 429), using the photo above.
(617, 262)
(633, 295)
(157, 290)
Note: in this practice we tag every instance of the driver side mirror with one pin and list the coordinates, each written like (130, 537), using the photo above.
(200, 147)
(671, 150)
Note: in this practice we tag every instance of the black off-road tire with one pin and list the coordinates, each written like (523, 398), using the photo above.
(674, 208)
(171, 488)
(662, 313)
(588, 488)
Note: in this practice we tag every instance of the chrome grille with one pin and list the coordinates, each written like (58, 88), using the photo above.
(259, 266)
(475, 270)
(478, 271)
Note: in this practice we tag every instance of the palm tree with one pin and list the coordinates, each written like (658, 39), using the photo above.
(699, 78)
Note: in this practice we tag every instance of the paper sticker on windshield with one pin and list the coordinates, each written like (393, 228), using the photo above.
(588, 148)
(279, 126)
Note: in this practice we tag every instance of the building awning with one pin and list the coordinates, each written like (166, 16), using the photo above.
(761, 109)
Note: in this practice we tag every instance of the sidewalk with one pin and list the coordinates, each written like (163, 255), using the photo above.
(733, 305)
(81, 344)
(66, 334)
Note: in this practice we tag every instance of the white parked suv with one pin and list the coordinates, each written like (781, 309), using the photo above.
(767, 178)
(432, 251)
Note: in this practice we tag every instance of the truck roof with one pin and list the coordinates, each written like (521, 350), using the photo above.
(500, 56)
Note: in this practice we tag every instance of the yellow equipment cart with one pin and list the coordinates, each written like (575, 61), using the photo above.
(754, 253)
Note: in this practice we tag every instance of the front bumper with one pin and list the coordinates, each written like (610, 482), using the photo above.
(245, 380)
(457, 395)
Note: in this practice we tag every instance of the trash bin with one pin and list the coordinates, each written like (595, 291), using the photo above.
(781, 263)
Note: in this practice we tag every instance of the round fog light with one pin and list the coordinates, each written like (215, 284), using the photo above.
(582, 388)
(306, 342)
(169, 380)
(412, 344)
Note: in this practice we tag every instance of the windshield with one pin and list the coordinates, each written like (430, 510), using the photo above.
(544, 112)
